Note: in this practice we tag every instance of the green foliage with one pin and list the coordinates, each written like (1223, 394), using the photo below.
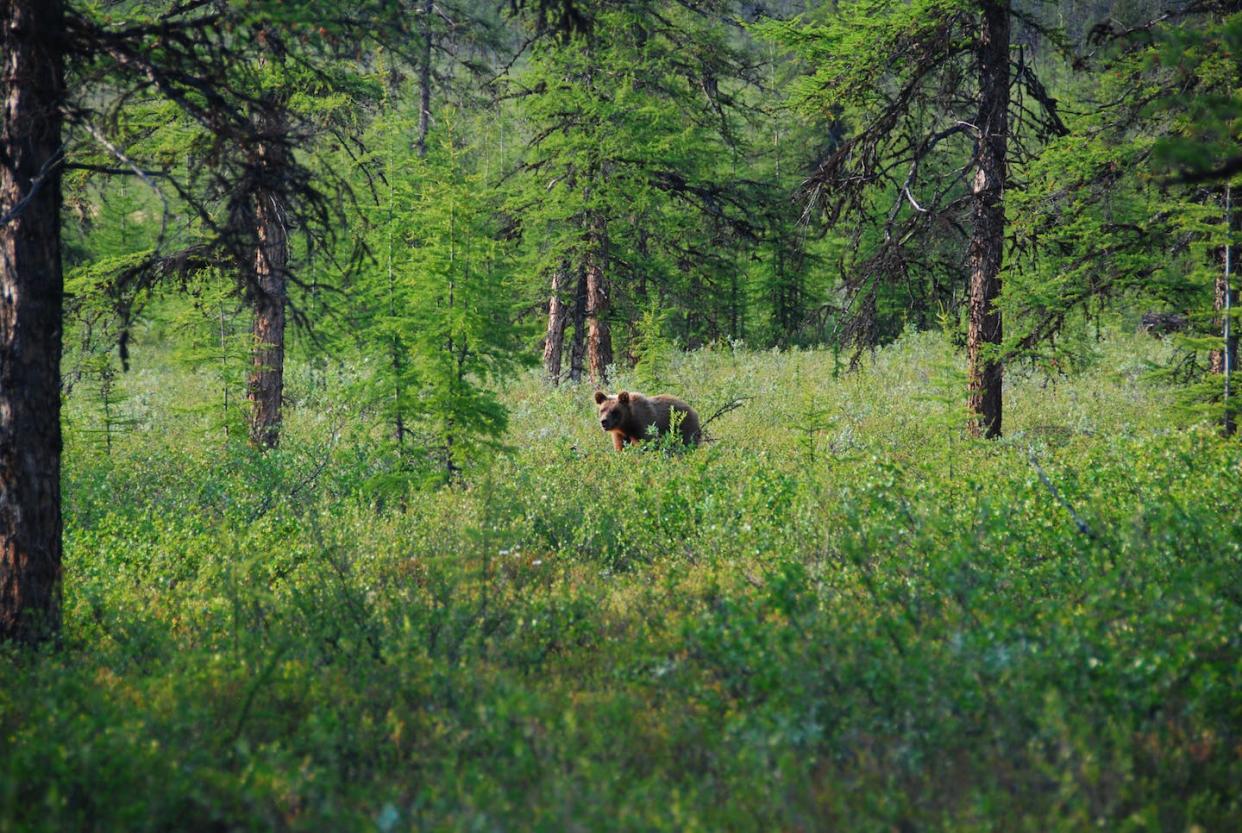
(897, 86)
(839, 613)
(907, 629)
(1205, 128)
(631, 131)
(654, 348)
(437, 305)
(1112, 215)
(212, 335)
(109, 416)
(461, 308)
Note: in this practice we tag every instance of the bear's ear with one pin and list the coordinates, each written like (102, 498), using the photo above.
(600, 396)
(623, 397)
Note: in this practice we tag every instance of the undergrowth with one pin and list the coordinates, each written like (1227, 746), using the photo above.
(840, 614)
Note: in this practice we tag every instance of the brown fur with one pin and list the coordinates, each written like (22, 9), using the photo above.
(627, 416)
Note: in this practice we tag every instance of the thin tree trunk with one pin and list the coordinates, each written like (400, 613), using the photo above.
(988, 233)
(31, 298)
(554, 342)
(396, 353)
(1218, 357)
(424, 79)
(734, 303)
(577, 350)
(267, 373)
(265, 388)
(599, 336)
(1225, 361)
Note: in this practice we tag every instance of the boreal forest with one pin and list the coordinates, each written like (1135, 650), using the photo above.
(586, 415)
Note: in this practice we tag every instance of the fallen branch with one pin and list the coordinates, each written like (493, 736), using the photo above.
(1082, 525)
(724, 409)
(732, 405)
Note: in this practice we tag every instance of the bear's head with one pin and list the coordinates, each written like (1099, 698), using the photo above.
(612, 409)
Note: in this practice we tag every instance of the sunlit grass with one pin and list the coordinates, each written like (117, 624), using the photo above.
(839, 614)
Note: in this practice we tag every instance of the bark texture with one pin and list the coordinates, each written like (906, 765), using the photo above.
(554, 341)
(599, 335)
(31, 297)
(985, 375)
(577, 350)
(1222, 302)
(265, 387)
(1216, 359)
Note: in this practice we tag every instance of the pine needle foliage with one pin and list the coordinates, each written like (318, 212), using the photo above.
(437, 305)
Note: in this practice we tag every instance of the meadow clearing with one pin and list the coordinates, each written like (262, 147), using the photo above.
(841, 614)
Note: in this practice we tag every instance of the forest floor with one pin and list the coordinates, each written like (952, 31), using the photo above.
(839, 615)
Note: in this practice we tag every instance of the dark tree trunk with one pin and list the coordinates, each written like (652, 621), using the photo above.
(265, 388)
(397, 353)
(987, 240)
(599, 336)
(424, 79)
(577, 350)
(1226, 359)
(554, 342)
(31, 296)
(267, 373)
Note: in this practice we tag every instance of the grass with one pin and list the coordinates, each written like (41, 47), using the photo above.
(839, 615)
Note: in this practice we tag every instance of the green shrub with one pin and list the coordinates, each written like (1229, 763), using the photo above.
(841, 614)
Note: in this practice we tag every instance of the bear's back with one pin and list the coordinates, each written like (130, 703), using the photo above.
(688, 426)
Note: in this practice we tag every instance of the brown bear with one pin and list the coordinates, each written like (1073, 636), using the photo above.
(627, 416)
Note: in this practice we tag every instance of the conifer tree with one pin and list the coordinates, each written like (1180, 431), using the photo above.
(921, 88)
(622, 190)
(32, 61)
(1131, 204)
(441, 292)
(198, 58)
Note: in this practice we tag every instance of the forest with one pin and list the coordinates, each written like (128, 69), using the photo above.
(316, 317)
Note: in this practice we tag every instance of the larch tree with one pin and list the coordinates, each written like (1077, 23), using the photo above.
(936, 106)
(1203, 149)
(622, 190)
(199, 59)
(439, 297)
(270, 279)
(1133, 204)
(279, 187)
(456, 44)
(31, 296)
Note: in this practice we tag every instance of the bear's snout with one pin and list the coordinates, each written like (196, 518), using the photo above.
(604, 423)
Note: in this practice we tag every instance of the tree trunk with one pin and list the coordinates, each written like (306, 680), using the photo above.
(424, 79)
(554, 342)
(988, 233)
(265, 388)
(31, 297)
(599, 336)
(267, 373)
(577, 350)
(1226, 360)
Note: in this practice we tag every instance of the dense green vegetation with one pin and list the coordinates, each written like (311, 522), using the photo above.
(840, 614)
(321, 295)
